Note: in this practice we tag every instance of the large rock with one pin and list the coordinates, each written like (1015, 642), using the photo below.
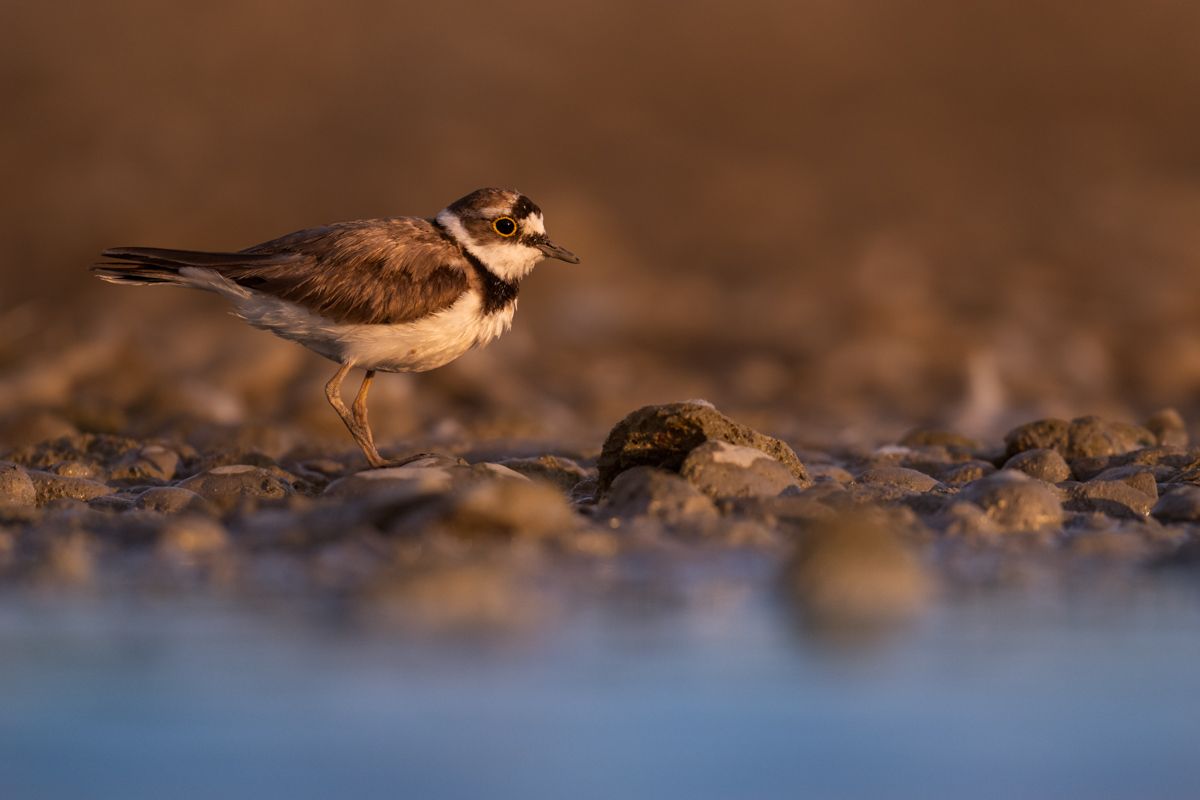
(662, 436)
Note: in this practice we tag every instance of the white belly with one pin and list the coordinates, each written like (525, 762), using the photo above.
(409, 347)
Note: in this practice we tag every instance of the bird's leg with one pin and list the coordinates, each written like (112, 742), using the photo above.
(360, 431)
(360, 420)
(360, 410)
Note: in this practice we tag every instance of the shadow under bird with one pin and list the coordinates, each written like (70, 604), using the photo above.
(403, 294)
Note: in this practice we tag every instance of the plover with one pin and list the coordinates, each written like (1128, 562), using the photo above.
(402, 294)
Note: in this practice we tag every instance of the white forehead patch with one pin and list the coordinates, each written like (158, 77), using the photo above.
(534, 223)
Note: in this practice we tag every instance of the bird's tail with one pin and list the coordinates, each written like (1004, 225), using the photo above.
(147, 266)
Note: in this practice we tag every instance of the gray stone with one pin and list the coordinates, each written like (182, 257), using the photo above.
(1181, 504)
(1016, 501)
(723, 470)
(648, 491)
(1041, 463)
(16, 487)
(52, 487)
(662, 436)
(226, 487)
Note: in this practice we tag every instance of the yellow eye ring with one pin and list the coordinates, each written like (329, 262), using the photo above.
(505, 226)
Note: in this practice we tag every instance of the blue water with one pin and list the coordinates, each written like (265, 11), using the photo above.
(1070, 694)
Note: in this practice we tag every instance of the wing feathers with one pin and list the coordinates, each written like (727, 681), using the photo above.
(385, 271)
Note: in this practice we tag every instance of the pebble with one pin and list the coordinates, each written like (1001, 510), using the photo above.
(722, 470)
(648, 491)
(226, 487)
(1168, 428)
(1115, 498)
(556, 470)
(1083, 437)
(16, 488)
(173, 500)
(966, 472)
(1181, 504)
(150, 463)
(1041, 463)
(52, 487)
(1015, 501)
(407, 479)
(507, 509)
(907, 480)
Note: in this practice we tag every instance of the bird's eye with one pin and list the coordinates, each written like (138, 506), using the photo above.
(505, 226)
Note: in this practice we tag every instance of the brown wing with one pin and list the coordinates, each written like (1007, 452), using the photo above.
(383, 271)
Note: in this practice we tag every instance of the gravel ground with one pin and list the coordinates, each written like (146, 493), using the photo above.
(855, 537)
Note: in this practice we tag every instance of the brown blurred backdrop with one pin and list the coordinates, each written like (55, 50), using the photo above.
(840, 217)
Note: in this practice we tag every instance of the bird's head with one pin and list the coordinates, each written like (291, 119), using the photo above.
(502, 228)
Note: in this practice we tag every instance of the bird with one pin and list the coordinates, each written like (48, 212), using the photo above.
(395, 294)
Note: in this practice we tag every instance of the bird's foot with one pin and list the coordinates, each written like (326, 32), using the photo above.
(419, 460)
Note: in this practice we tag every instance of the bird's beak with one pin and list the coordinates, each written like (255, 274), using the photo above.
(551, 250)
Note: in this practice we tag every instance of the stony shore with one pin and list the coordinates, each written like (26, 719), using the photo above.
(859, 536)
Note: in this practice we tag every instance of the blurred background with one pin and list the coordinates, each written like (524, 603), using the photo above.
(830, 219)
